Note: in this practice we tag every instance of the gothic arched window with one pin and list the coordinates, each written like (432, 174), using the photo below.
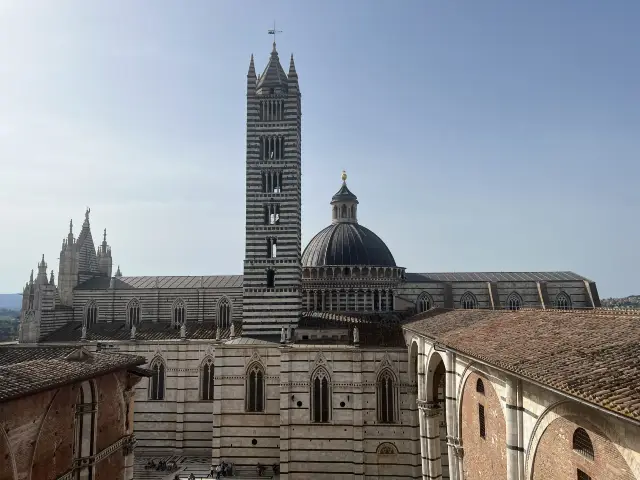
(255, 388)
(179, 314)
(133, 313)
(514, 301)
(424, 303)
(206, 379)
(157, 380)
(468, 301)
(84, 426)
(480, 386)
(224, 313)
(320, 396)
(386, 396)
(90, 314)
(582, 443)
(563, 301)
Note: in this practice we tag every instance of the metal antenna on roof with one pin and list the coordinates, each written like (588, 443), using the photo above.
(273, 32)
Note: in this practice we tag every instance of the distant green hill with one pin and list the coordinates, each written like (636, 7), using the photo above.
(11, 301)
(9, 322)
(632, 301)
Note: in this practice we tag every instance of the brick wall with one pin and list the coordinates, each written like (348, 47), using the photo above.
(40, 428)
(555, 457)
(484, 458)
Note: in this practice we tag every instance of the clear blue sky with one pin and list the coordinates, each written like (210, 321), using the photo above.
(493, 135)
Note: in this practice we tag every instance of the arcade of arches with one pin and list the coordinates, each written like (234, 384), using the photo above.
(477, 422)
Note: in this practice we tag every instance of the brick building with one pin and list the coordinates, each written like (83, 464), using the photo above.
(66, 413)
(527, 395)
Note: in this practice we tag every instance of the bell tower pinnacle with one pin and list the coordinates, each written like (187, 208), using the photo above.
(272, 272)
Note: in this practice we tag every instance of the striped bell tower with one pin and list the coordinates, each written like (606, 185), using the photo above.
(272, 272)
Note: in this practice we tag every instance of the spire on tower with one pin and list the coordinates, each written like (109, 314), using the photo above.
(71, 227)
(118, 272)
(51, 280)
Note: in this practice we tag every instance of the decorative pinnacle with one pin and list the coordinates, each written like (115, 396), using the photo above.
(344, 176)
(71, 226)
(104, 238)
(86, 214)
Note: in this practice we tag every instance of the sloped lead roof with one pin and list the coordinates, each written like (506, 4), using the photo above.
(273, 75)
(344, 194)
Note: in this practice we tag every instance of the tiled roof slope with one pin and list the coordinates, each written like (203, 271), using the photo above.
(376, 330)
(495, 277)
(28, 370)
(72, 331)
(132, 283)
(592, 355)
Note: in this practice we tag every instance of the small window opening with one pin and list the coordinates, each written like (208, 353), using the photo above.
(272, 214)
(271, 278)
(272, 247)
(480, 386)
(582, 443)
(483, 432)
(583, 476)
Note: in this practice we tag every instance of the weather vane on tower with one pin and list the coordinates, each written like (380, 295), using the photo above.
(274, 32)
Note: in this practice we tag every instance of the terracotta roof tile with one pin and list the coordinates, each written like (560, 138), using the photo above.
(593, 355)
(25, 370)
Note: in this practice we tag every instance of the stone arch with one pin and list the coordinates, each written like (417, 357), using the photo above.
(435, 395)
(594, 422)
(413, 361)
(8, 468)
(85, 427)
(387, 448)
(482, 413)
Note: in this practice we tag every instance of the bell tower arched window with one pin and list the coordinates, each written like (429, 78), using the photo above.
(157, 380)
(179, 314)
(386, 396)
(320, 396)
(255, 388)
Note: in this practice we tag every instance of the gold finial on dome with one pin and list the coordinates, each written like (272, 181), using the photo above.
(344, 176)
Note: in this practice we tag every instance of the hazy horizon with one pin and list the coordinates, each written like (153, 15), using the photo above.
(487, 136)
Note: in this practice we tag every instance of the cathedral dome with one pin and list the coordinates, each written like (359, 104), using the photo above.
(347, 243)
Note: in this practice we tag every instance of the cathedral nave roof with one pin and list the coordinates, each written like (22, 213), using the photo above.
(104, 331)
(193, 281)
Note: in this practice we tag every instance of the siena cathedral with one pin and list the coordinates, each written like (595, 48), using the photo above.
(302, 359)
